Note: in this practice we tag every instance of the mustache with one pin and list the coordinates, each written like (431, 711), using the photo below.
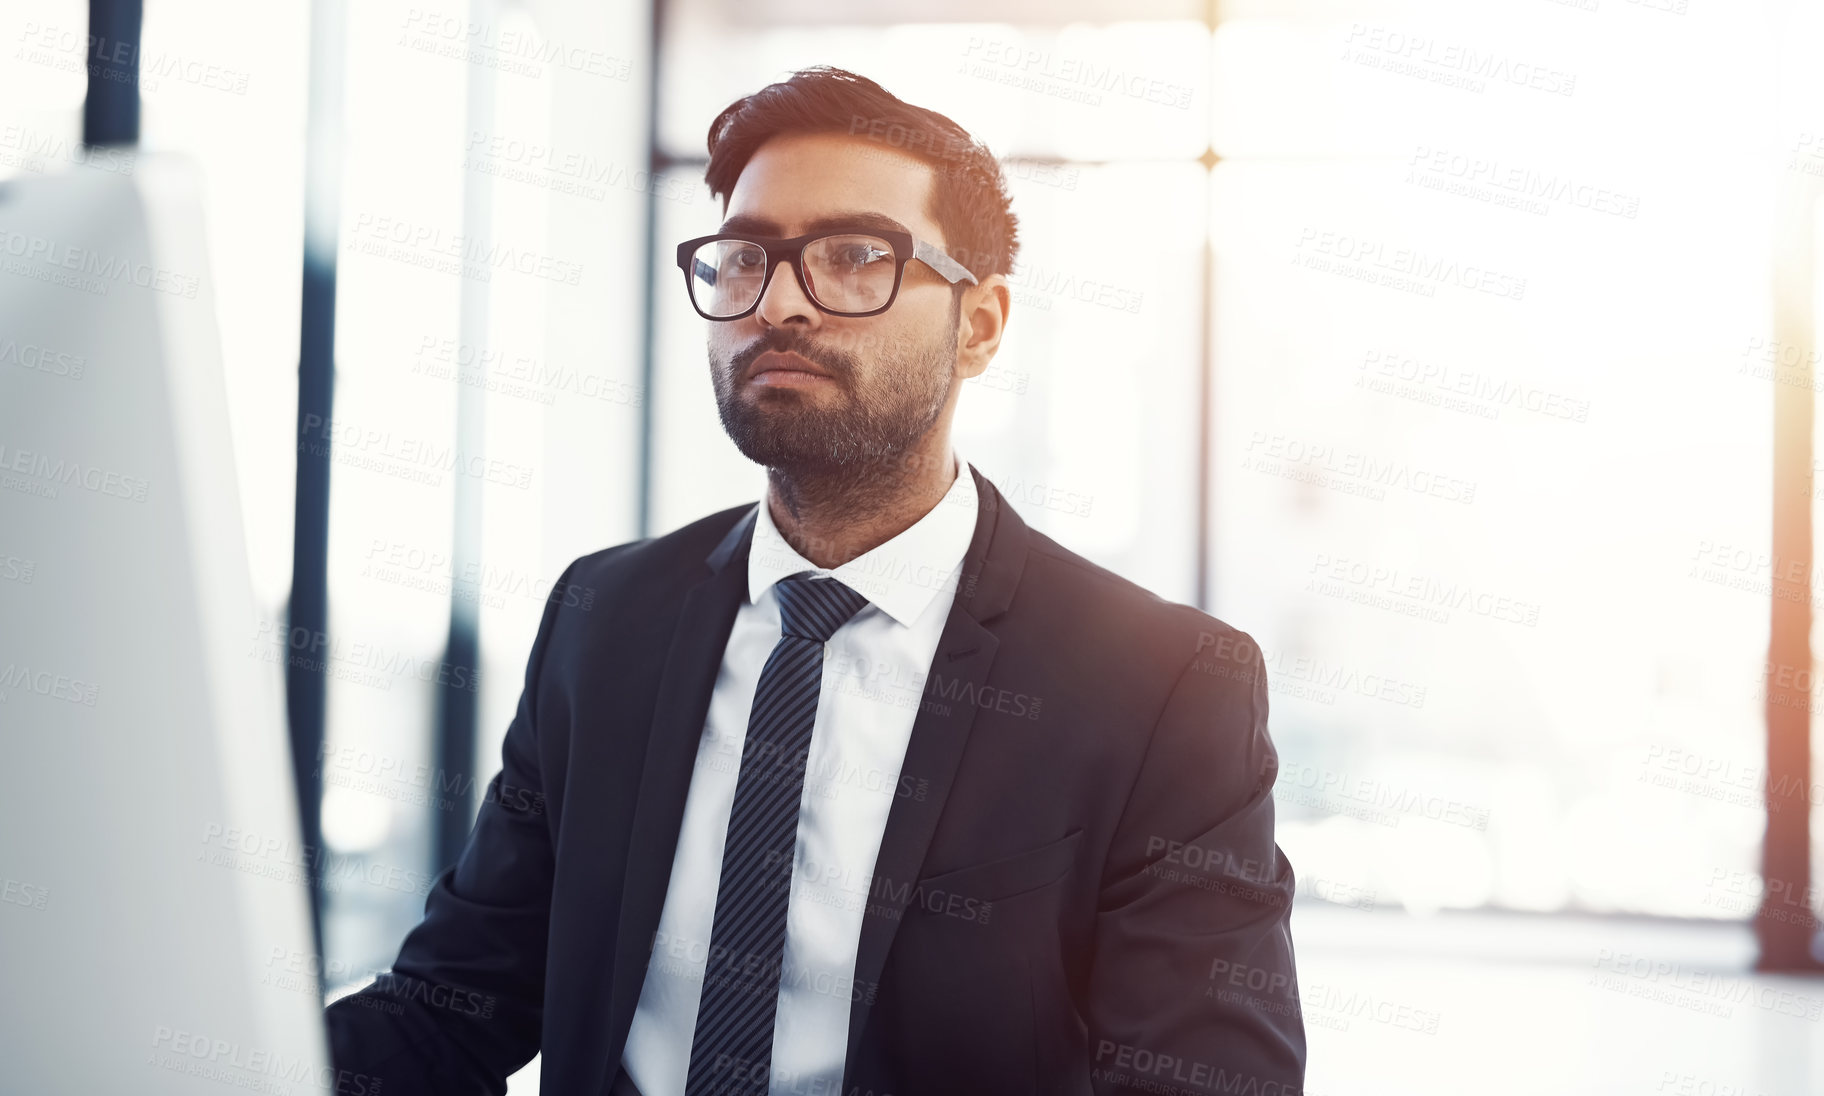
(840, 365)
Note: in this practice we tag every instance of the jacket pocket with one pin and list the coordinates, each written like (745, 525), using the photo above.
(1003, 878)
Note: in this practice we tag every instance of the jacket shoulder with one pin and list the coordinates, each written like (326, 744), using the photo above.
(677, 552)
(1126, 614)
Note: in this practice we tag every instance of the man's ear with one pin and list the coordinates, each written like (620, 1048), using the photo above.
(981, 323)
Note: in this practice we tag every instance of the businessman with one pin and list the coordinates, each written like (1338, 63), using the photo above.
(867, 788)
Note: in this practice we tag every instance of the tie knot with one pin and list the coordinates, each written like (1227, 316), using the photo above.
(813, 606)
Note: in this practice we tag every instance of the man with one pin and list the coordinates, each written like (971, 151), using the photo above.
(868, 788)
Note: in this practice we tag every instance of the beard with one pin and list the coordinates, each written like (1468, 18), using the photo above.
(881, 411)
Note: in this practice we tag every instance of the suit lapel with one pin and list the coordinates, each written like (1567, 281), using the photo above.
(689, 678)
(959, 669)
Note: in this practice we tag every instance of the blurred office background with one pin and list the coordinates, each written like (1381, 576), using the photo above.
(1438, 346)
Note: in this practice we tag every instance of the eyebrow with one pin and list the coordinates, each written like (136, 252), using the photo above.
(765, 226)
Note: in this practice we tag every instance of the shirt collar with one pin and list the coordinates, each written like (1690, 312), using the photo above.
(901, 576)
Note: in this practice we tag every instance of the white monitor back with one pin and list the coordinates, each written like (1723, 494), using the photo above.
(154, 921)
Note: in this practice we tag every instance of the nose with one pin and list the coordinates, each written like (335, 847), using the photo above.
(785, 300)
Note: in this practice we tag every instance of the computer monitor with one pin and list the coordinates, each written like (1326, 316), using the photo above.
(155, 927)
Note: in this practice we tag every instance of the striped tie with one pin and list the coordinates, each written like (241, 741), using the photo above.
(732, 1051)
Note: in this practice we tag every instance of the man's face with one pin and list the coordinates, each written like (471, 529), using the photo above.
(888, 377)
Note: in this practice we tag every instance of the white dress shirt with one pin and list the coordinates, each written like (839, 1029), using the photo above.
(873, 676)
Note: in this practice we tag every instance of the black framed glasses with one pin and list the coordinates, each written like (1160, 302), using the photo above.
(844, 273)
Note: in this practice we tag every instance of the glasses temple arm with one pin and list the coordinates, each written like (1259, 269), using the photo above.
(940, 262)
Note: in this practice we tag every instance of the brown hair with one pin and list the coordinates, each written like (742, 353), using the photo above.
(969, 200)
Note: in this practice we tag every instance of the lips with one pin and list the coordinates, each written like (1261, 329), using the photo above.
(783, 362)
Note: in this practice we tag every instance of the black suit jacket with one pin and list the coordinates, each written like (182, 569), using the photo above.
(1078, 889)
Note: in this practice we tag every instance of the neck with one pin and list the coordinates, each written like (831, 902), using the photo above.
(832, 517)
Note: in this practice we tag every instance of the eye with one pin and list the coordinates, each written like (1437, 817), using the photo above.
(861, 254)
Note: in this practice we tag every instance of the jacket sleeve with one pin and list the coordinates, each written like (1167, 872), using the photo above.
(461, 1008)
(1192, 985)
